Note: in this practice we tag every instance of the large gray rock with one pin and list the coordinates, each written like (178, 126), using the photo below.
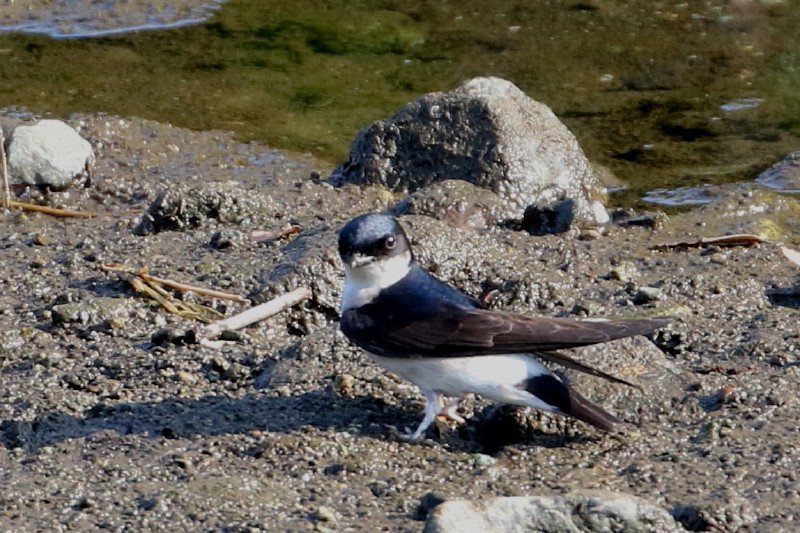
(576, 512)
(783, 175)
(48, 154)
(489, 133)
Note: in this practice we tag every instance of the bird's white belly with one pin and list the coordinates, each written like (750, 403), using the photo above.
(492, 376)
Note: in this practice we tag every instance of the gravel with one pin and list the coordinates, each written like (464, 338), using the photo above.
(112, 418)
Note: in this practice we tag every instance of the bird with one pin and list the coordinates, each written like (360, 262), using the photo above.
(448, 345)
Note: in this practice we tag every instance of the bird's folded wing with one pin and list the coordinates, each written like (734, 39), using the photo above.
(454, 331)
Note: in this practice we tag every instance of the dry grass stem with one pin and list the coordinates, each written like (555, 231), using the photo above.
(190, 288)
(151, 287)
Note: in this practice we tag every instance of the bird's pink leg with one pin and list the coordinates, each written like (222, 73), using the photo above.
(434, 407)
(449, 410)
(433, 402)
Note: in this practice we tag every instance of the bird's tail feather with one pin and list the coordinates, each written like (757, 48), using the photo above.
(591, 413)
(563, 359)
(565, 400)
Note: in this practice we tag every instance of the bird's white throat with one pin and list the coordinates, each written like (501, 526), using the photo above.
(363, 283)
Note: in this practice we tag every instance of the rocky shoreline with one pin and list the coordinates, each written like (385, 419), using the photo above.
(108, 423)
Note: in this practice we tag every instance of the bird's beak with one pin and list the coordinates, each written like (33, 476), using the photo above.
(358, 260)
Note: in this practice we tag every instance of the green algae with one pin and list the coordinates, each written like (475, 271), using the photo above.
(640, 84)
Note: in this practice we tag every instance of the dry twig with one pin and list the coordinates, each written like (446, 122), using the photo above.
(259, 312)
(54, 211)
(190, 288)
(791, 255)
(741, 239)
(4, 172)
(269, 236)
(150, 286)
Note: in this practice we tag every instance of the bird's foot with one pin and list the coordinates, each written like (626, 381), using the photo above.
(449, 411)
(414, 437)
(433, 408)
(433, 402)
(410, 436)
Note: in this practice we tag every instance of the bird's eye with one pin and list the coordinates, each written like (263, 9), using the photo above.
(390, 242)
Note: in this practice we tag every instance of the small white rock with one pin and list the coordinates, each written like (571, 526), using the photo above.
(49, 154)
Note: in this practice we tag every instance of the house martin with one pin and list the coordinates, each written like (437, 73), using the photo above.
(444, 342)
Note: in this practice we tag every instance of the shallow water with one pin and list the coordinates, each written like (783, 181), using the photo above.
(666, 95)
(93, 18)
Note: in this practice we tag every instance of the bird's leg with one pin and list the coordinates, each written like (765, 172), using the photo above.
(433, 404)
(449, 410)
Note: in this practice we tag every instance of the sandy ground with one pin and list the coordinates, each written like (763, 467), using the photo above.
(112, 419)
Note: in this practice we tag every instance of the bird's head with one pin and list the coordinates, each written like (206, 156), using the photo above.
(374, 248)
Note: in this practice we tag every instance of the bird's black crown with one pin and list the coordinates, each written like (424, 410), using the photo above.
(372, 235)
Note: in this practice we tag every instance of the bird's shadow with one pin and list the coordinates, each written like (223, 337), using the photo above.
(785, 297)
(208, 415)
(216, 415)
(498, 426)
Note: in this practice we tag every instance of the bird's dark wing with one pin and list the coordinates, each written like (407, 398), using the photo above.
(453, 331)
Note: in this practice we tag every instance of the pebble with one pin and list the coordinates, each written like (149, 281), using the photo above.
(647, 295)
(220, 364)
(344, 384)
(42, 239)
(185, 377)
(226, 238)
(325, 514)
(481, 459)
(231, 335)
(624, 271)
